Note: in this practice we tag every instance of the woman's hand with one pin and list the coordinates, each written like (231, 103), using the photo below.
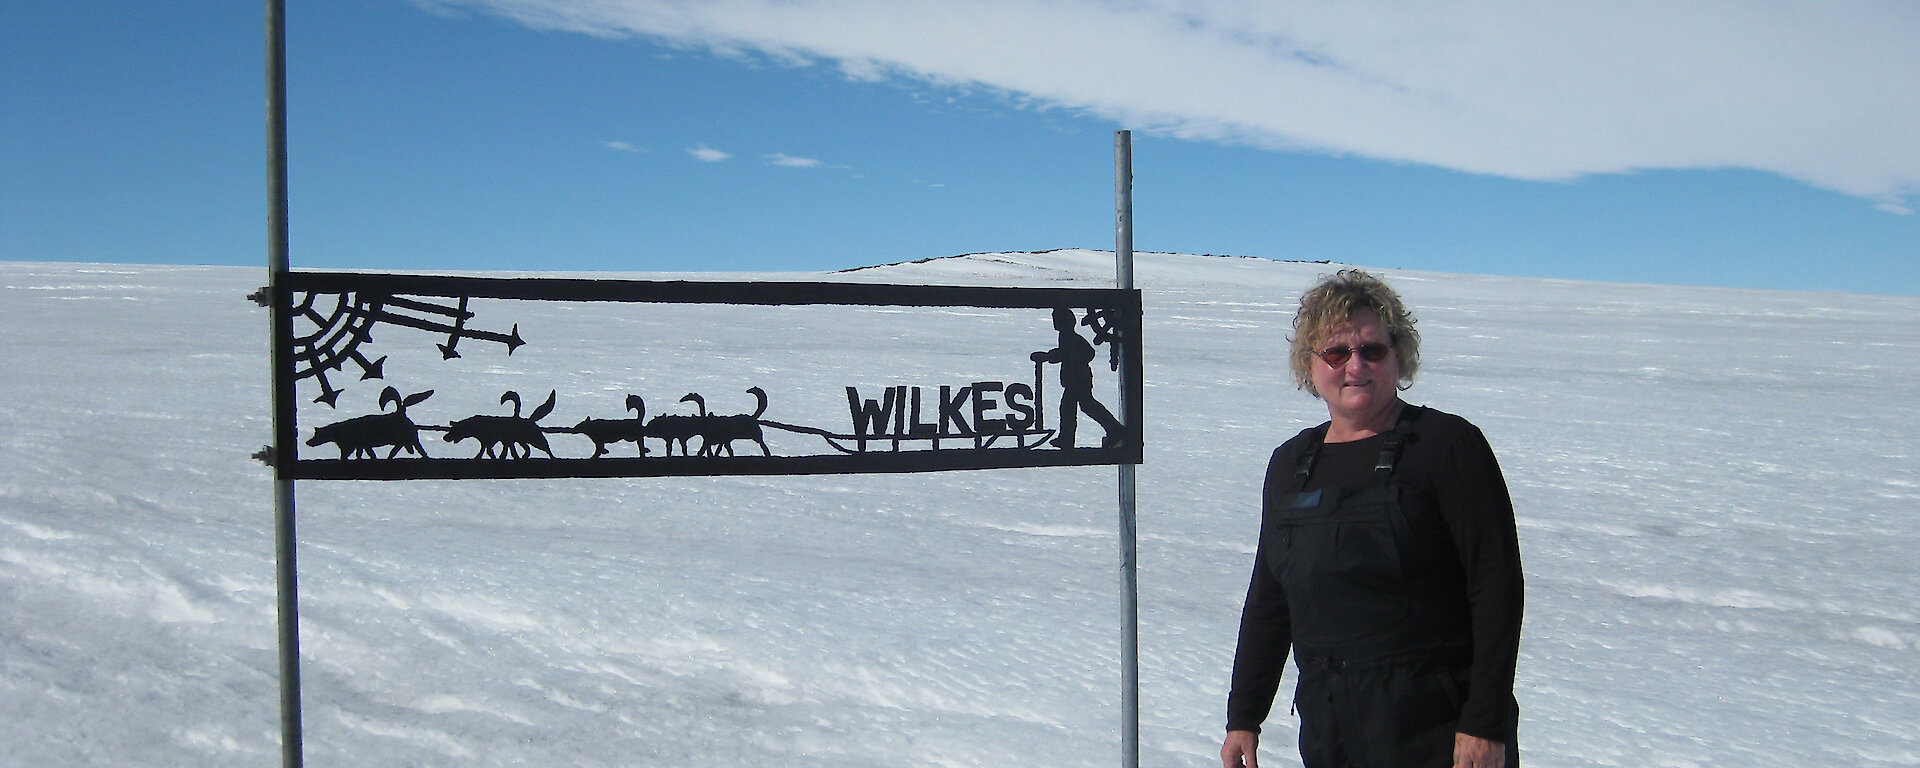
(1239, 750)
(1476, 752)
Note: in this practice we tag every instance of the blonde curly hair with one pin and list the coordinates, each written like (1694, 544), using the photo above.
(1332, 303)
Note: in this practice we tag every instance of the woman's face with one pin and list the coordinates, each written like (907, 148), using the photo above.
(1358, 388)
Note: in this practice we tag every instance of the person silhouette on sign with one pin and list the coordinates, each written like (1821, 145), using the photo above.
(1075, 357)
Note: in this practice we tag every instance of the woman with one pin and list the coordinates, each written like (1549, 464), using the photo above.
(1388, 561)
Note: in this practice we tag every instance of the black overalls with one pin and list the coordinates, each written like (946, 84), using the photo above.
(1381, 631)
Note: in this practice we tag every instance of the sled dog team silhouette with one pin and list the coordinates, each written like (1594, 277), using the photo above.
(519, 436)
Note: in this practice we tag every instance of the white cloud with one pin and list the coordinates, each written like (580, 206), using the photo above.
(1815, 90)
(707, 154)
(621, 146)
(789, 161)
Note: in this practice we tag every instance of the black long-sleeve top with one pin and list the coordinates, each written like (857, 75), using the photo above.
(1447, 469)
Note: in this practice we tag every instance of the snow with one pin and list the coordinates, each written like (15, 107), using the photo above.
(1715, 490)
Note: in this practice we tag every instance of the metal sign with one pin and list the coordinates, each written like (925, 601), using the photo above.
(367, 410)
(328, 326)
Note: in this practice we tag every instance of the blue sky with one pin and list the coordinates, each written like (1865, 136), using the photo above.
(1728, 143)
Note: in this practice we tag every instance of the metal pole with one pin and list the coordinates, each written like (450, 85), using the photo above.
(1129, 567)
(283, 447)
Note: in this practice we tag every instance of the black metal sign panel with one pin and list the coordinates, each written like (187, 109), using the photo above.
(392, 377)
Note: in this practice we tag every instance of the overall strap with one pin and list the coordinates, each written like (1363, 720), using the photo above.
(1396, 439)
(1304, 468)
(1390, 448)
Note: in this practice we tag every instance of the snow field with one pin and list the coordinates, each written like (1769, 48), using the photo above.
(1715, 488)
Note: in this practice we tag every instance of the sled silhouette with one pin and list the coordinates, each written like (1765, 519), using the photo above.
(859, 443)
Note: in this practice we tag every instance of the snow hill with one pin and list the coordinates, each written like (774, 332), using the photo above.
(1716, 490)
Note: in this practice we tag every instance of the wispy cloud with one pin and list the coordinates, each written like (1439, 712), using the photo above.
(621, 146)
(789, 161)
(1810, 89)
(707, 154)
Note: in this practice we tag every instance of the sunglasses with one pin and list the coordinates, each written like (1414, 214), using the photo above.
(1338, 356)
